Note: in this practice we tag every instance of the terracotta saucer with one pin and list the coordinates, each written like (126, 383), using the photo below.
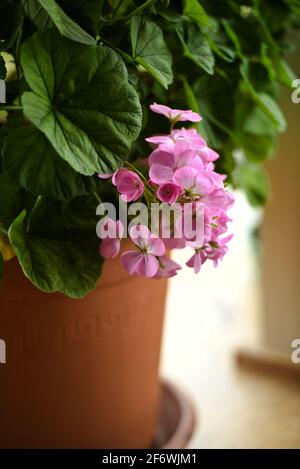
(177, 418)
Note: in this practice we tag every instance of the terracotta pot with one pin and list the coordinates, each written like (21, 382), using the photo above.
(80, 373)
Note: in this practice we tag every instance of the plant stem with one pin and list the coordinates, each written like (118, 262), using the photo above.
(123, 54)
(117, 8)
(3, 230)
(131, 166)
(11, 108)
(140, 9)
(137, 11)
(97, 197)
(147, 199)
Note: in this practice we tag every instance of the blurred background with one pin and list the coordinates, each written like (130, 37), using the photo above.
(229, 330)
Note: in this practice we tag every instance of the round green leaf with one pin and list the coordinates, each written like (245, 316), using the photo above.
(150, 50)
(30, 159)
(44, 11)
(60, 252)
(81, 100)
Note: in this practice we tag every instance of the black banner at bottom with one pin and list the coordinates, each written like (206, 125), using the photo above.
(140, 458)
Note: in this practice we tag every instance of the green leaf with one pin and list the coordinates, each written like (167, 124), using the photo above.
(193, 10)
(254, 181)
(203, 127)
(30, 159)
(150, 50)
(11, 21)
(37, 14)
(196, 48)
(225, 52)
(267, 61)
(86, 13)
(81, 100)
(255, 133)
(258, 147)
(120, 7)
(216, 98)
(294, 5)
(60, 252)
(11, 198)
(190, 97)
(285, 74)
(266, 103)
(233, 37)
(270, 107)
(66, 26)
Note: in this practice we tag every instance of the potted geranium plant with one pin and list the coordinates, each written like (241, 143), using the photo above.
(82, 80)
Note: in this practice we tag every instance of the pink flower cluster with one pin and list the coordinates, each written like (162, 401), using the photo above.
(181, 171)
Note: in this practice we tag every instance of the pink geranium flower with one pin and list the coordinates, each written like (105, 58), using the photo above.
(129, 184)
(144, 261)
(164, 162)
(174, 243)
(219, 198)
(189, 136)
(160, 139)
(182, 176)
(218, 220)
(169, 192)
(112, 231)
(167, 268)
(195, 261)
(207, 154)
(194, 183)
(175, 115)
(217, 249)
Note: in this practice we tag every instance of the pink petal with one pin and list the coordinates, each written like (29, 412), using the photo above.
(207, 154)
(178, 114)
(119, 229)
(195, 262)
(169, 192)
(188, 116)
(129, 261)
(162, 157)
(219, 198)
(157, 139)
(105, 176)
(156, 246)
(188, 135)
(139, 231)
(118, 175)
(109, 228)
(203, 184)
(129, 185)
(147, 265)
(140, 235)
(161, 109)
(109, 247)
(159, 173)
(174, 243)
(197, 163)
(185, 177)
(139, 264)
(168, 268)
(183, 154)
